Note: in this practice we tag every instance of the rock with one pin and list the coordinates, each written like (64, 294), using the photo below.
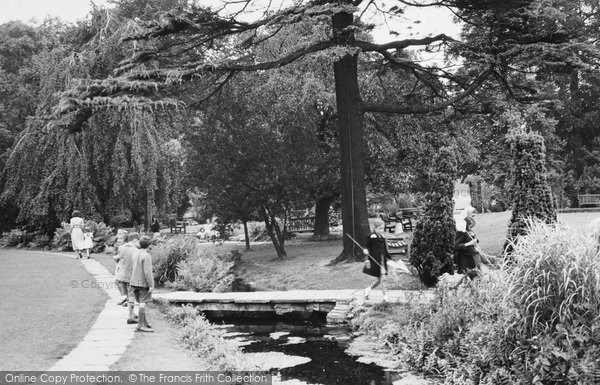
(411, 379)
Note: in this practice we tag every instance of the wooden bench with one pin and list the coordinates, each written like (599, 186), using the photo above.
(389, 222)
(298, 225)
(399, 244)
(405, 217)
(588, 199)
(178, 227)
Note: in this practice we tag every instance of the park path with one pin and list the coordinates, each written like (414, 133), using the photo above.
(109, 336)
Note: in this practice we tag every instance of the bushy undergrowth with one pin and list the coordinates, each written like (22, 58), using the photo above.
(184, 264)
(535, 322)
(17, 238)
(166, 256)
(208, 270)
(198, 335)
(102, 236)
(554, 332)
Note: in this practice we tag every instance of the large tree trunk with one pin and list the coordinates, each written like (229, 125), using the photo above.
(475, 193)
(322, 205)
(350, 126)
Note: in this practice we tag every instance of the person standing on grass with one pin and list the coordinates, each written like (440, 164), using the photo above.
(141, 283)
(378, 255)
(123, 272)
(76, 228)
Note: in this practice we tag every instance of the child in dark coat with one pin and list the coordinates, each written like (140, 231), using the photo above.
(378, 255)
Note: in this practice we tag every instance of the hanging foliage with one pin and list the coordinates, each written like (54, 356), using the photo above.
(110, 165)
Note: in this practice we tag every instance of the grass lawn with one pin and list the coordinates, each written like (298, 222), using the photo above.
(42, 317)
(491, 227)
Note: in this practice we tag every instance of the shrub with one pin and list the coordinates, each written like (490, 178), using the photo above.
(16, 238)
(40, 241)
(62, 238)
(207, 271)
(531, 195)
(456, 337)
(433, 240)
(166, 256)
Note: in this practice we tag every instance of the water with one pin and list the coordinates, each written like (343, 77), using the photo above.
(306, 353)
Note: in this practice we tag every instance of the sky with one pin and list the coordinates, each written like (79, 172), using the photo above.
(432, 20)
(25, 10)
(416, 23)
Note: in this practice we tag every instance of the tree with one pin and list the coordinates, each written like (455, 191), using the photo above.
(113, 164)
(202, 38)
(252, 151)
(433, 241)
(549, 73)
(531, 195)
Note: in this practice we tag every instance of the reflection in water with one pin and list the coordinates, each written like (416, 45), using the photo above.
(317, 354)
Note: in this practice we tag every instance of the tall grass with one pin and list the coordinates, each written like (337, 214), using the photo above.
(554, 292)
(206, 341)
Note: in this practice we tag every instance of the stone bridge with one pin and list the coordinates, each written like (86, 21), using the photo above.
(335, 304)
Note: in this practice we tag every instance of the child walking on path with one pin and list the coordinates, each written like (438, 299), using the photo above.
(88, 241)
(142, 283)
(378, 255)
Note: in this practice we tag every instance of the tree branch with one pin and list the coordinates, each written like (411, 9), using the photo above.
(398, 109)
(402, 44)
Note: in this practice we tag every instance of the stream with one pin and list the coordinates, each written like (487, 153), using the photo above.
(305, 353)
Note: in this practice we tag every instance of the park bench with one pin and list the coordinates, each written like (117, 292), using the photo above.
(588, 199)
(298, 225)
(178, 227)
(406, 217)
(389, 221)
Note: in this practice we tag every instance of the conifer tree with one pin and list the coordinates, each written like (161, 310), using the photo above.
(531, 194)
(433, 241)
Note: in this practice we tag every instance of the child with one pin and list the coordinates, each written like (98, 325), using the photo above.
(88, 241)
(378, 256)
(121, 285)
(142, 283)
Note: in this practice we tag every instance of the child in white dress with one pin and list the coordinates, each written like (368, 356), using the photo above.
(88, 241)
